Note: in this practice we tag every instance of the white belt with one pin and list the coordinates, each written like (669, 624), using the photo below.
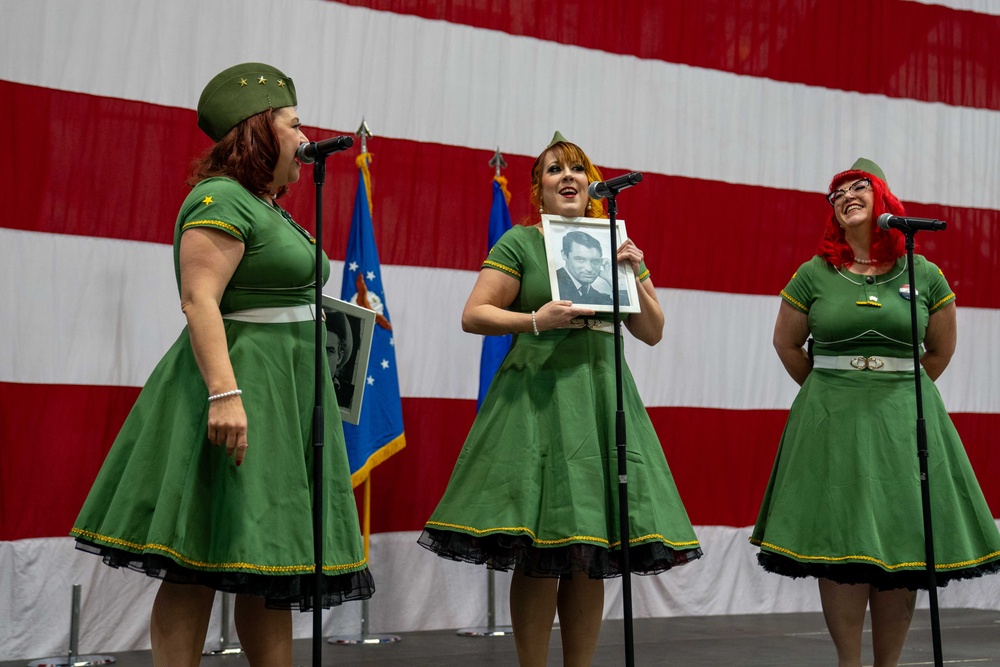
(862, 363)
(276, 315)
(591, 323)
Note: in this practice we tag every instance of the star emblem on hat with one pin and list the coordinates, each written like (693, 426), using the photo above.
(243, 82)
(207, 200)
(281, 84)
(261, 81)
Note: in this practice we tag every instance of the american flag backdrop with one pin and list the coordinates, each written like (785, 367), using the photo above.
(738, 112)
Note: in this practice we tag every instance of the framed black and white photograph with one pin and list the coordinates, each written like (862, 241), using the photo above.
(348, 343)
(580, 257)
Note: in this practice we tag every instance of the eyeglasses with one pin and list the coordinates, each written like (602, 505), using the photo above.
(855, 188)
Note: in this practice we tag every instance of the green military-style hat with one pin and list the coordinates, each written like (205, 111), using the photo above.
(235, 94)
(556, 138)
(866, 165)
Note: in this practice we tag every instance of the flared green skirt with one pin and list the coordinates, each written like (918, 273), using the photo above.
(171, 504)
(536, 484)
(844, 498)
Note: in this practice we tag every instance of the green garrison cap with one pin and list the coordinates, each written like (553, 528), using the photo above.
(235, 94)
(556, 138)
(866, 165)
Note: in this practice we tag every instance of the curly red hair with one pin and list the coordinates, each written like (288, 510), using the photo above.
(565, 153)
(247, 154)
(887, 245)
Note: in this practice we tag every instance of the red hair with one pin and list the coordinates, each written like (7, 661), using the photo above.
(565, 153)
(887, 245)
(247, 154)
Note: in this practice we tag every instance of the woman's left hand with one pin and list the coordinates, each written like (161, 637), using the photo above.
(628, 251)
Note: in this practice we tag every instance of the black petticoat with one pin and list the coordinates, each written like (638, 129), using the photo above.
(516, 552)
(279, 592)
(860, 573)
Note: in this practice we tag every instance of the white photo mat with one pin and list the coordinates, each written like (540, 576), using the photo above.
(588, 264)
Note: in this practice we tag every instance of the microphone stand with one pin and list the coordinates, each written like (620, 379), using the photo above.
(922, 454)
(319, 177)
(623, 523)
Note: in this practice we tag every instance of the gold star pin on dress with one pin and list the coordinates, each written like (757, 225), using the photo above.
(261, 81)
(243, 83)
(281, 84)
(207, 200)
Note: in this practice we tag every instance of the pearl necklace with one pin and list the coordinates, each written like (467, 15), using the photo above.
(858, 260)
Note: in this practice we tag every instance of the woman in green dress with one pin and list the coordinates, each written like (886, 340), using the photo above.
(843, 503)
(235, 516)
(534, 489)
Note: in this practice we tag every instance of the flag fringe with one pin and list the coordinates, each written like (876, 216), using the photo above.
(503, 187)
(377, 457)
(362, 161)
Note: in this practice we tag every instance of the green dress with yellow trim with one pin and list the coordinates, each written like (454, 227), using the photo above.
(535, 486)
(844, 498)
(169, 503)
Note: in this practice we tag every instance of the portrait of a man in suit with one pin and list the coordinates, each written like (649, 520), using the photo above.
(584, 263)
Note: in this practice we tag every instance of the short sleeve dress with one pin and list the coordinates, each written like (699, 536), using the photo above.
(169, 503)
(535, 485)
(844, 499)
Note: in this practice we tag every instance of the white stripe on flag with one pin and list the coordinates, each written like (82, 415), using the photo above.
(103, 311)
(440, 82)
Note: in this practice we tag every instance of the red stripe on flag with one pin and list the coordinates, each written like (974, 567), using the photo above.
(431, 200)
(54, 440)
(899, 49)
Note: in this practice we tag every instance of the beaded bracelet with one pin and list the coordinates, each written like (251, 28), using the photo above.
(225, 394)
(534, 324)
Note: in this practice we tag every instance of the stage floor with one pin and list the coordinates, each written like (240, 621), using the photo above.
(970, 637)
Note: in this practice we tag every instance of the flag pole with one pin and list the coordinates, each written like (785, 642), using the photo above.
(491, 629)
(365, 637)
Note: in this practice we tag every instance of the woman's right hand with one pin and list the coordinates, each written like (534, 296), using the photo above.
(557, 314)
(227, 425)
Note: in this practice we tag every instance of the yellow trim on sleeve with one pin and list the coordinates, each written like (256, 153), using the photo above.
(214, 223)
(942, 302)
(795, 302)
(500, 267)
(643, 275)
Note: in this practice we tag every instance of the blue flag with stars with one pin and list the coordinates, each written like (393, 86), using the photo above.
(379, 432)
(494, 347)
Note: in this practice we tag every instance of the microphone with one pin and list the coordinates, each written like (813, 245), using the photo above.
(612, 186)
(910, 225)
(308, 152)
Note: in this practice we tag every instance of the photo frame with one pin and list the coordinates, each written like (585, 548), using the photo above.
(349, 330)
(583, 274)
